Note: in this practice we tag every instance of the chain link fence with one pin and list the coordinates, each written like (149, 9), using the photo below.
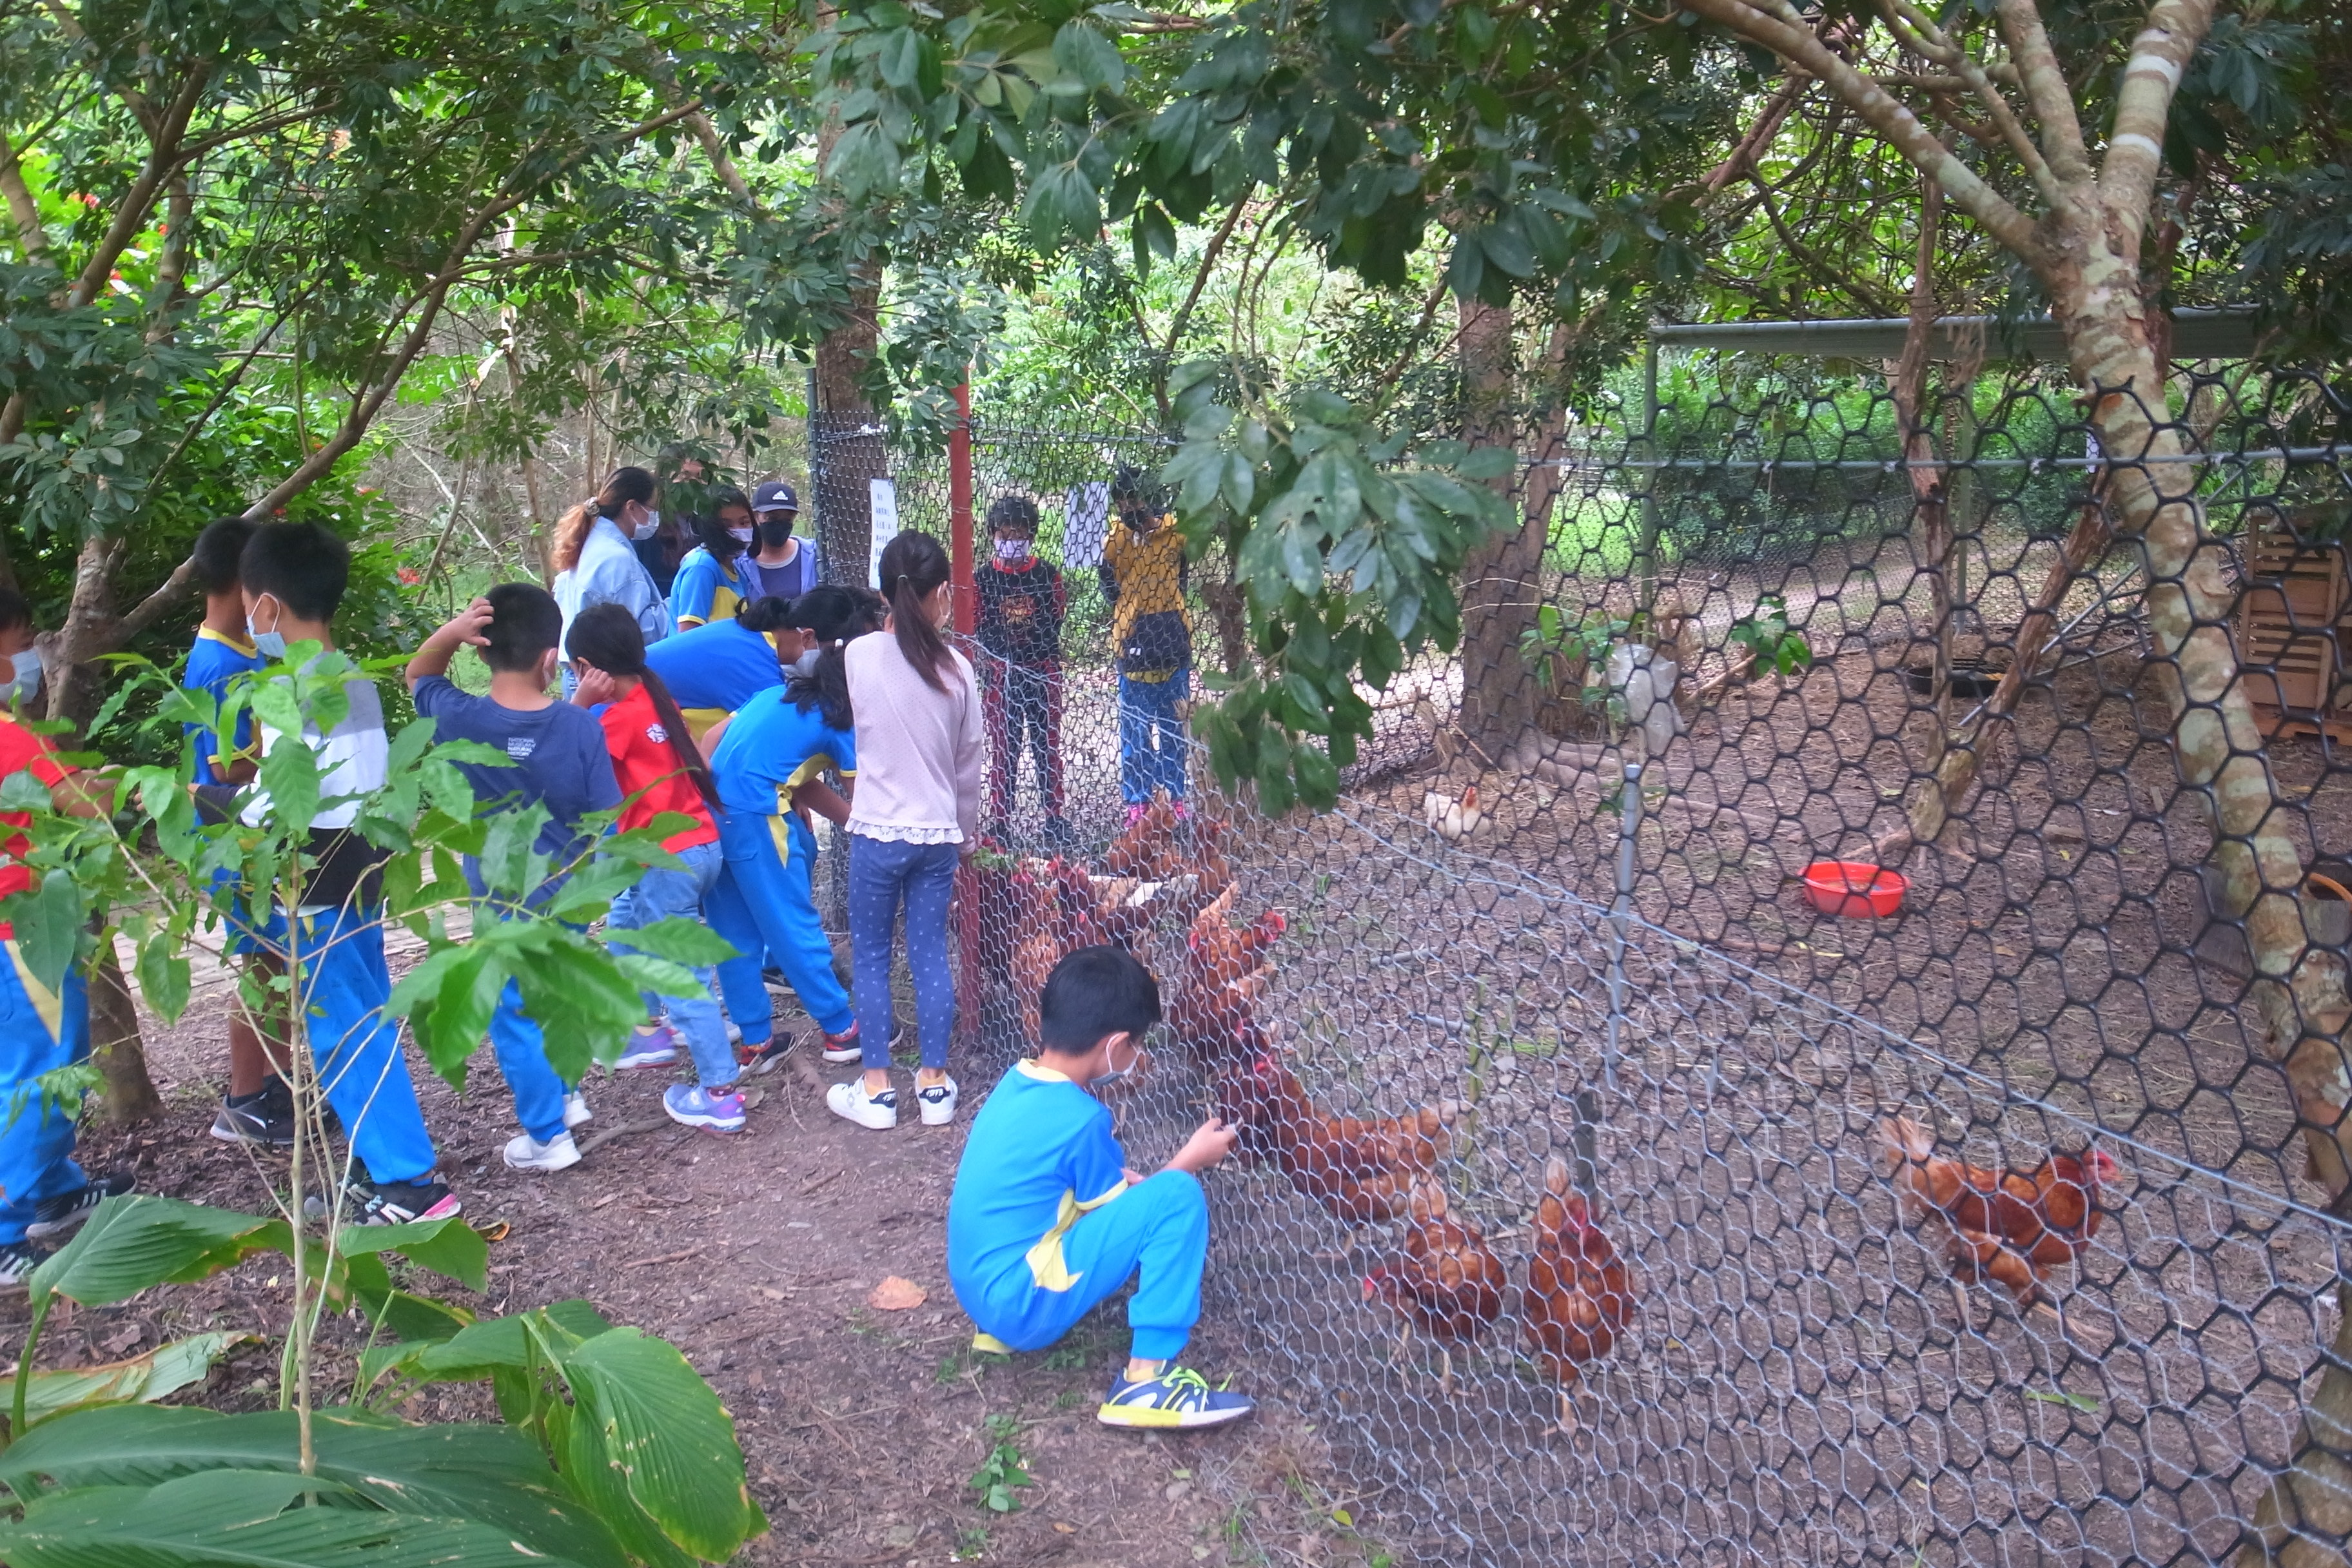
(1700, 1203)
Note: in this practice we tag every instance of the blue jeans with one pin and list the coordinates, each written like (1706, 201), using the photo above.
(354, 1048)
(39, 1033)
(1147, 713)
(660, 895)
(1157, 1229)
(765, 898)
(881, 874)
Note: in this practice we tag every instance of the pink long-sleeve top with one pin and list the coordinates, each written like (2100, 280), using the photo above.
(919, 749)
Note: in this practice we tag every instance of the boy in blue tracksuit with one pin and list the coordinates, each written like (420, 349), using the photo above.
(258, 1108)
(766, 759)
(557, 759)
(291, 577)
(1046, 1220)
(43, 1192)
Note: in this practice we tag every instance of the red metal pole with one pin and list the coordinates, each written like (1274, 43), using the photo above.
(967, 622)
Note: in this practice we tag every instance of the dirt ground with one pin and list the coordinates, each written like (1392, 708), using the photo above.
(755, 1253)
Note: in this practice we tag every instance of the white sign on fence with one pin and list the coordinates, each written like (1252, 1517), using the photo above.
(1085, 525)
(884, 508)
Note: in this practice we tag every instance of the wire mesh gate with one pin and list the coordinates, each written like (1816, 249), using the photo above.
(1815, 1356)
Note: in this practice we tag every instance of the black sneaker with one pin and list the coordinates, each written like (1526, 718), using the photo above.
(262, 1117)
(18, 1261)
(401, 1203)
(55, 1217)
(768, 1058)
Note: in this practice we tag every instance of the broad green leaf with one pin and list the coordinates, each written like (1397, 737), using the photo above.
(165, 1370)
(131, 1243)
(289, 773)
(680, 941)
(491, 1474)
(667, 1438)
(243, 1518)
(164, 973)
(447, 1247)
(49, 921)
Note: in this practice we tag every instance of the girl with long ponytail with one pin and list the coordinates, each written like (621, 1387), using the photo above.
(662, 776)
(767, 758)
(917, 813)
(595, 562)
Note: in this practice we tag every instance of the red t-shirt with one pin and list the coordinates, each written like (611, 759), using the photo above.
(652, 778)
(22, 751)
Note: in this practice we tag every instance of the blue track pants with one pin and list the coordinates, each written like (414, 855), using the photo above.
(660, 895)
(354, 1048)
(764, 898)
(1157, 1229)
(39, 1032)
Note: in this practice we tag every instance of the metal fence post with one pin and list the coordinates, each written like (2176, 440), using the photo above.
(967, 622)
(1645, 549)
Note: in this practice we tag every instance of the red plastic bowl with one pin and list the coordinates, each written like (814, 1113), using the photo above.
(1855, 889)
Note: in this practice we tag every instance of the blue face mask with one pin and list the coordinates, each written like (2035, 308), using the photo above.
(26, 684)
(270, 645)
(1104, 1080)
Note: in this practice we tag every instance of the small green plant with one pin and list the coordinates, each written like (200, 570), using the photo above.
(1004, 1471)
(971, 1544)
(1065, 1357)
(1771, 643)
(1563, 649)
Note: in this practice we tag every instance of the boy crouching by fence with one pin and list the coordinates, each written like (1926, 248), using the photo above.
(1046, 1220)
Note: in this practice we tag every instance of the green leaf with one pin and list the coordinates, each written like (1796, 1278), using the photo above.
(289, 773)
(139, 1379)
(495, 1475)
(132, 1244)
(1088, 56)
(667, 1440)
(164, 973)
(447, 1247)
(680, 941)
(242, 1517)
(49, 921)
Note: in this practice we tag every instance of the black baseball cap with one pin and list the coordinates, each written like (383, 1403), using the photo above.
(775, 496)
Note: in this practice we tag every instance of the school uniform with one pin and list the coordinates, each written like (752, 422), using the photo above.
(713, 670)
(1042, 1226)
(41, 1029)
(215, 660)
(707, 589)
(766, 897)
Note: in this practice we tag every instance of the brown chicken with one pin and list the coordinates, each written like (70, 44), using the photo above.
(1579, 1297)
(1215, 1022)
(1360, 1169)
(1448, 1282)
(1218, 952)
(1146, 848)
(1037, 946)
(2008, 1226)
(1212, 827)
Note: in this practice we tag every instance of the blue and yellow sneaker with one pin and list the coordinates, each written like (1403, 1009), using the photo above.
(1179, 1396)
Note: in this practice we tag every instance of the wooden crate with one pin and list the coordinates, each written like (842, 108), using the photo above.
(2293, 629)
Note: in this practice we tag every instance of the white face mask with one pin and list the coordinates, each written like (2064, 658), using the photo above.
(742, 535)
(26, 684)
(805, 667)
(647, 528)
(1012, 550)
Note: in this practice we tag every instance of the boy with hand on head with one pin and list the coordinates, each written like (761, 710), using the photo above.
(291, 576)
(43, 1194)
(1022, 603)
(1046, 1220)
(557, 759)
(258, 1108)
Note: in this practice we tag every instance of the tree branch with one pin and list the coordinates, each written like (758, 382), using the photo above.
(2046, 89)
(31, 240)
(1200, 276)
(1892, 118)
(2143, 105)
(130, 213)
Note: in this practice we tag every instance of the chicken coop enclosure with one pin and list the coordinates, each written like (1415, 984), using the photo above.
(1613, 1193)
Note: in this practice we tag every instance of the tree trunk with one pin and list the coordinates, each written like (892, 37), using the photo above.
(115, 1045)
(1500, 581)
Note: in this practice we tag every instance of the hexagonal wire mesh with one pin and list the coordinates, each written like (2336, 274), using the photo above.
(1667, 1127)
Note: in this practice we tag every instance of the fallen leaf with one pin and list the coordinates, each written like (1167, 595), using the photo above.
(897, 1295)
(1065, 1529)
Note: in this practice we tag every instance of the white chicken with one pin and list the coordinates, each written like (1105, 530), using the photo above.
(1453, 820)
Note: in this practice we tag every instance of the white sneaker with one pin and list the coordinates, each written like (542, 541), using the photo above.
(937, 1102)
(525, 1153)
(876, 1112)
(575, 1111)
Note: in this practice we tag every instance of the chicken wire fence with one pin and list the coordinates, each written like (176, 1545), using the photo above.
(1965, 1227)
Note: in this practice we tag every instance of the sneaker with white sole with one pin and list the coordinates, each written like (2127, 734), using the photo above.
(874, 1113)
(53, 1217)
(937, 1102)
(654, 1047)
(404, 1203)
(575, 1111)
(1178, 1397)
(525, 1153)
(841, 1049)
(769, 1054)
(18, 1261)
(691, 1105)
